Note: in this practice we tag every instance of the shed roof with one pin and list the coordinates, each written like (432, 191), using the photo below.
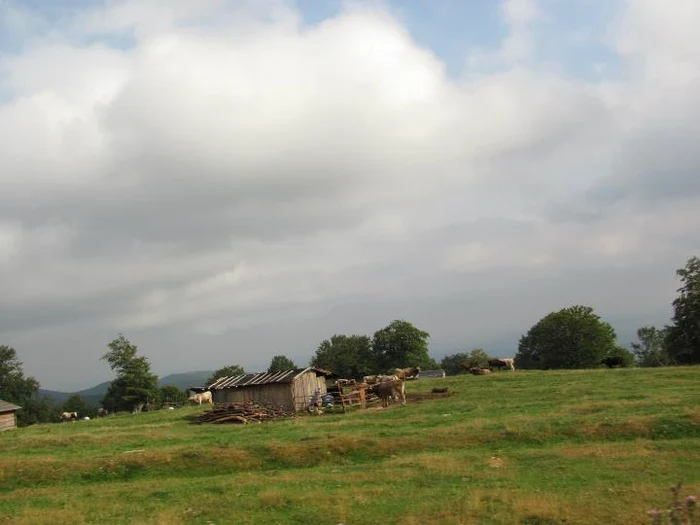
(265, 378)
(8, 407)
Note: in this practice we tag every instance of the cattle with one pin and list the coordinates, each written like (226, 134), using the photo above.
(501, 363)
(387, 390)
(102, 412)
(198, 399)
(475, 370)
(613, 361)
(69, 416)
(407, 373)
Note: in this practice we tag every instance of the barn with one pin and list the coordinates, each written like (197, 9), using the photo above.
(8, 415)
(291, 389)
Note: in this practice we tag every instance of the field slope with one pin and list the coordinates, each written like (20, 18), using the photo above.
(597, 446)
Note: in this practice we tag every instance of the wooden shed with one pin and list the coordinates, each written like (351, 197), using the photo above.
(8, 415)
(291, 389)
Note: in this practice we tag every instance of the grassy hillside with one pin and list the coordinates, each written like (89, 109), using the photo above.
(597, 446)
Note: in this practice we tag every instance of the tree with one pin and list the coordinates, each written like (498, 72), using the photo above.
(683, 336)
(134, 385)
(227, 371)
(400, 345)
(573, 337)
(626, 355)
(75, 403)
(348, 356)
(280, 363)
(650, 351)
(451, 364)
(478, 357)
(171, 394)
(20, 390)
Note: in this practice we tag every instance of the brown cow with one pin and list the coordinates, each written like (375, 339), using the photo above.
(407, 373)
(387, 390)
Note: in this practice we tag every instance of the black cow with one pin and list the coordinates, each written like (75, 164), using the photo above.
(613, 361)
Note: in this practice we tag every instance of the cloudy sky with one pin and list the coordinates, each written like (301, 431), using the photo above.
(223, 181)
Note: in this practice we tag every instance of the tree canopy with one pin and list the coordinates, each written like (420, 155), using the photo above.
(280, 363)
(226, 371)
(573, 337)
(134, 385)
(401, 344)
(348, 356)
(75, 403)
(650, 349)
(23, 391)
(683, 336)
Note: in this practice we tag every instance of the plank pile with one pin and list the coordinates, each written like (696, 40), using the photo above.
(244, 412)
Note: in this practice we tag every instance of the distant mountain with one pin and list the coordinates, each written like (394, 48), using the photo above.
(94, 394)
(186, 379)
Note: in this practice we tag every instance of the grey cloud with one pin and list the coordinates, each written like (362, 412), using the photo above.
(209, 192)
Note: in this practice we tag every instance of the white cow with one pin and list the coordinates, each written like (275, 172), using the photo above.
(204, 397)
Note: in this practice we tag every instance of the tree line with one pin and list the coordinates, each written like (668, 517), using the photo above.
(573, 337)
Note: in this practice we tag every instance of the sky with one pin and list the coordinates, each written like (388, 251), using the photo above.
(224, 181)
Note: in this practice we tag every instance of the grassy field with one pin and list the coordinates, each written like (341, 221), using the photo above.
(529, 447)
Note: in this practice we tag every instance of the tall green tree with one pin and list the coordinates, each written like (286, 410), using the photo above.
(75, 403)
(23, 391)
(400, 345)
(171, 394)
(281, 363)
(451, 364)
(226, 371)
(683, 336)
(573, 337)
(650, 348)
(134, 385)
(348, 356)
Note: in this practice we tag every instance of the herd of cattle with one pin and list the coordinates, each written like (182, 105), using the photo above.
(388, 388)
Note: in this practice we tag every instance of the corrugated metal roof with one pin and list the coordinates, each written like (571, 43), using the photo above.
(264, 378)
(8, 407)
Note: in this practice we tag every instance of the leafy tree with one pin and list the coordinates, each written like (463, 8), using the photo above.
(75, 403)
(280, 363)
(451, 364)
(172, 394)
(20, 390)
(348, 356)
(626, 355)
(573, 337)
(650, 351)
(683, 336)
(227, 371)
(400, 345)
(478, 357)
(134, 385)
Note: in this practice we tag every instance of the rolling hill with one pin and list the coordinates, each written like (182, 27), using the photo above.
(94, 394)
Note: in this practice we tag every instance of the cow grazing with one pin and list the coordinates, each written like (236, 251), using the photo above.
(69, 416)
(387, 390)
(407, 373)
(102, 412)
(204, 397)
(501, 363)
(613, 361)
(475, 370)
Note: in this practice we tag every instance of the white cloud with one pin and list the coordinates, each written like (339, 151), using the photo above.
(229, 178)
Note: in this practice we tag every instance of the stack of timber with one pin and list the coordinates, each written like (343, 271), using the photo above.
(244, 412)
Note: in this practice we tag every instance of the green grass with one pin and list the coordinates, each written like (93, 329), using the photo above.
(596, 446)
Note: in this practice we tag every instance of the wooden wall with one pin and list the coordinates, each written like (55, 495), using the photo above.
(294, 396)
(8, 420)
(304, 387)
